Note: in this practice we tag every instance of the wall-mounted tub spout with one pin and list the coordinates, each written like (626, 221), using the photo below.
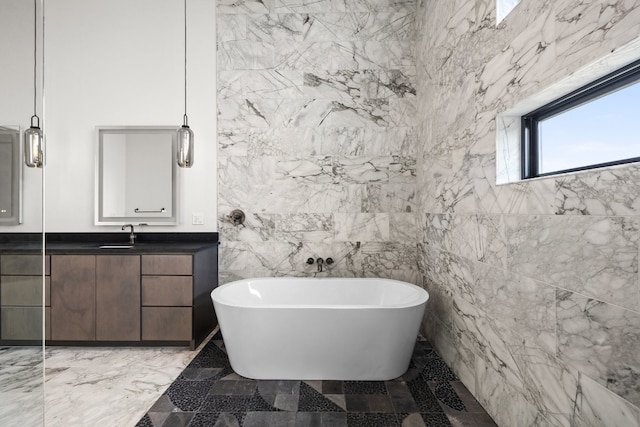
(321, 262)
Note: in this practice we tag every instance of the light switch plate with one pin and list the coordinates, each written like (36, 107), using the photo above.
(198, 218)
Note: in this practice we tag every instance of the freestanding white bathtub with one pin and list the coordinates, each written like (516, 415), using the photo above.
(319, 329)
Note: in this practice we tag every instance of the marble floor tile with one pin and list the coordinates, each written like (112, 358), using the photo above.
(85, 386)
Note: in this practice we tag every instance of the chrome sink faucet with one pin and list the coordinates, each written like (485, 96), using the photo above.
(319, 261)
(132, 236)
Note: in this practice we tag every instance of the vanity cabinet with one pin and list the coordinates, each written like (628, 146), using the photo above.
(152, 294)
(21, 288)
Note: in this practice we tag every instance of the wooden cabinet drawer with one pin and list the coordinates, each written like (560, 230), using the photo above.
(24, 323)
(24, 290)
(166, 323)
(30, 265)
(177, 265)
(167, 291)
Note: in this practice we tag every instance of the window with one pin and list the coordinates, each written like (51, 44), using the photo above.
(594, 126)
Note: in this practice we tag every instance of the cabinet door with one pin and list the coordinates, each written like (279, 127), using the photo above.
(73, 297)
(118, 297)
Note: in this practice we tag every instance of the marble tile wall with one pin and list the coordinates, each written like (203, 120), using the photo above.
(535, 291)
(316, 137)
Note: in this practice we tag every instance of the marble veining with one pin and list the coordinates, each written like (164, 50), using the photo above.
(602, 340)
(578, 253)
(85, 386)
(317, 136)
(534, 285)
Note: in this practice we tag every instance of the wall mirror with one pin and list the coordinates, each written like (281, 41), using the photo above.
(136, 175)
(10, 176)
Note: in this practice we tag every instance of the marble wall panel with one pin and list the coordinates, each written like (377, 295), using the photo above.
(276, 27)
(495, 391)
(233, 142)
(550, 316)
(478, 237)
(317, 144)
(403, 226)
(362, 226)
(260, 84)
(285, 197)
(597, 256)
(389, 198)
(314, 227)
(552, 386)
(602, 340)
(597, 406)
(360, 26)
(612, 192)
(455, 350)
(228, 7)
(246, 55)
(233, 28)
(523, 305)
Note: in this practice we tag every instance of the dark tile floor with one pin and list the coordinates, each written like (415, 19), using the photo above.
(209, 394)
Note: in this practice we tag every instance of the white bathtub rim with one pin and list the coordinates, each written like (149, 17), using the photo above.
(421, 293)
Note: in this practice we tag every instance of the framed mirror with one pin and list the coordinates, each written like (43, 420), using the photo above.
(136, 175)
(10, 176)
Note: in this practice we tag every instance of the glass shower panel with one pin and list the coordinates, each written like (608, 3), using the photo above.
(23, 281)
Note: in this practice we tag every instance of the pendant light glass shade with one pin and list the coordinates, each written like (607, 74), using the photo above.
(33, 144)
(184, 134)
(185, 145)
(33, 137)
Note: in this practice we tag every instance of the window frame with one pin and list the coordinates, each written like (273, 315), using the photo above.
(530, 140)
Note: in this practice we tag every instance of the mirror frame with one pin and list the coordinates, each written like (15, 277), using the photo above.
(100, 219)
(16, 174)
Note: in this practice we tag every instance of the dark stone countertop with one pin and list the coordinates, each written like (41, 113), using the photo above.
(89, 243)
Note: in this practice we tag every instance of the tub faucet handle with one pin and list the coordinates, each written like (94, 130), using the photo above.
(329, 261)
(310, 261)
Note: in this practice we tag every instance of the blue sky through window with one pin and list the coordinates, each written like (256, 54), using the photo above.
(603, 130)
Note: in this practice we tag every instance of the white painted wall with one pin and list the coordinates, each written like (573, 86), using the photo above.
(16, 97)
(120, 62)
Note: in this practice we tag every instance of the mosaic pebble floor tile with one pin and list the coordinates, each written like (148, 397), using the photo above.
(209, 394)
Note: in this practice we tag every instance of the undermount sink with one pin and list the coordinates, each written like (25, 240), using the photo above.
(115, 246)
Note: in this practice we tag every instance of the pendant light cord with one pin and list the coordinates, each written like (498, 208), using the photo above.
(186, 121)
(35, 57)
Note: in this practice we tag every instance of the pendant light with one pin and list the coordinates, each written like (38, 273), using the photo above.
(184, 135)
(33, 137)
